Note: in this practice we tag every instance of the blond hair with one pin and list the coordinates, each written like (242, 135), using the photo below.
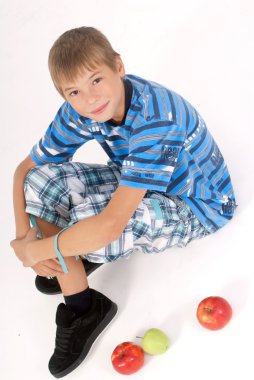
(77, 50)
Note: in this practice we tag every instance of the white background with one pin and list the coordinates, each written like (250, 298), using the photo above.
(204, 51)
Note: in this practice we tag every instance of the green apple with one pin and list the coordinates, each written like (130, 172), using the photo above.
(155, 342)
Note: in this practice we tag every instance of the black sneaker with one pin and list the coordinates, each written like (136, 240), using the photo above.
(51, 286)
(75, 336)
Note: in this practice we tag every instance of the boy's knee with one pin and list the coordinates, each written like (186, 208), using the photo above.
(36, 179)
(37, 173)
(33, 170)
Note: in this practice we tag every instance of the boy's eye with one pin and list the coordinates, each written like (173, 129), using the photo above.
(97, 80)
(74, 93)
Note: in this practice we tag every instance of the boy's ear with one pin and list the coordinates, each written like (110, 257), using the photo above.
(120, 66)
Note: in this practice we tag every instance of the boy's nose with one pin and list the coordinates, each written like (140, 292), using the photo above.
(92, 98)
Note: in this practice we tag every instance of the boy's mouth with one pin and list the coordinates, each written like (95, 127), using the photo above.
(100, 109)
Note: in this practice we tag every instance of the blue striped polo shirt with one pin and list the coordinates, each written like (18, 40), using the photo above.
(162, 145)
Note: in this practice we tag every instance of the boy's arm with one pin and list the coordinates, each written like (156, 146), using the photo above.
(21, 218)
(87, 235)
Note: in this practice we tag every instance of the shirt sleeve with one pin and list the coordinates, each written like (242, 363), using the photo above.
(63, 137)
(153, 154)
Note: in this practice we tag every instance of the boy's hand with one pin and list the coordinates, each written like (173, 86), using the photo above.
(20, 247)
(45, 268)
(48, 268)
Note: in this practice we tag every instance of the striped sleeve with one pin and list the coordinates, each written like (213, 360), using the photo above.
(154, 150)
(63, 137)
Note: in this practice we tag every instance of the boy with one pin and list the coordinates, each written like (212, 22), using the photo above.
(166, 184)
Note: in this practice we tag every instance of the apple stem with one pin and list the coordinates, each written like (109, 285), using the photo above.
(139, 337)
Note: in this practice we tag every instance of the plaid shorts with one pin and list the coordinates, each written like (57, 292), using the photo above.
(70, 192)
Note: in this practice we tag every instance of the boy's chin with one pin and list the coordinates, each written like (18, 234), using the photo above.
(102, 118)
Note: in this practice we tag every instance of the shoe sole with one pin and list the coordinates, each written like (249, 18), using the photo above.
(49, 293)
(95, 334)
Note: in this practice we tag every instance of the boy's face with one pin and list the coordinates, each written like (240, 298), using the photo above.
(98, 94)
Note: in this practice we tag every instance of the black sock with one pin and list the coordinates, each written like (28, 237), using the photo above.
(79, 303)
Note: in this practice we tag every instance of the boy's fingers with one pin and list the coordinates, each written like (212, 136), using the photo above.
(48, 268)
(48, 272)
(57, 262)
(55, 266)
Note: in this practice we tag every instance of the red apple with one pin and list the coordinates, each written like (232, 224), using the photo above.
(127, 358)
(214, 312)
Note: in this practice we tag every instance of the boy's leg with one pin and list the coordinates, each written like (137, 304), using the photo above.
(50, 285)
(46, 229)
(53, 192)
(75, 281)
(81, 319)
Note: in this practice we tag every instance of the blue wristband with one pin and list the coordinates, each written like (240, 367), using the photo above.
(59, 255)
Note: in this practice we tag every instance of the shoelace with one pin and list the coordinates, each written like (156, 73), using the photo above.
(63, 338)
